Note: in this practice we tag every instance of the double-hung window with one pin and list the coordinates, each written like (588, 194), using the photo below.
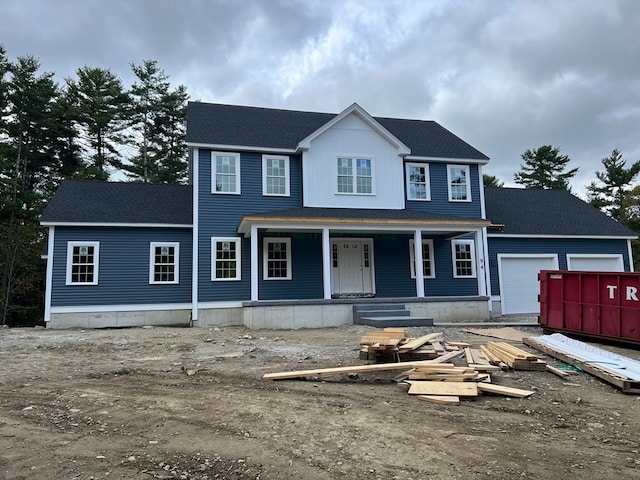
(417, 176)
(225, 172)
(459, 183)
(464, 260)
(355, 175)
(82, 263)
(163, 264)
(275, 175)
(225, 261)
(276, 258)
(428, 270)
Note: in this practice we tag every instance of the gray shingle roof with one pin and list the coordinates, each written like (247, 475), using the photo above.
(78, 201)
(531, 211)
(217, 124)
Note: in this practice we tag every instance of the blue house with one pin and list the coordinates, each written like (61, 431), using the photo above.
(292, 219)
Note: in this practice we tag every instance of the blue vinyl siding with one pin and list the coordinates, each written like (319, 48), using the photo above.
(220, 215)
(123, 275)
(559, 246)
(440, 203)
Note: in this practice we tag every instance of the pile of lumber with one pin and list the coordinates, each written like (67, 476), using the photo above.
(394, 344)
(504, 353)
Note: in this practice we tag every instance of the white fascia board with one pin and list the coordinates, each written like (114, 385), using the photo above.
(97, 224)
(242, 148)
(347, 227)
(446, 160)
(585, 237)
(403, 150)
(121, 308)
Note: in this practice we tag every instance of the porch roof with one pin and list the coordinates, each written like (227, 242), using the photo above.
(360, 219)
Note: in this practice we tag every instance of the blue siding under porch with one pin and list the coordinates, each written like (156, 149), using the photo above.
(123, 276)
(559, 246)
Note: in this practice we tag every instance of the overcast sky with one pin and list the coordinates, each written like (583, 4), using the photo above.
(503, 75)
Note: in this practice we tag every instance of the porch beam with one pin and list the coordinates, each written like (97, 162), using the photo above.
(326, 263)
(417, 246)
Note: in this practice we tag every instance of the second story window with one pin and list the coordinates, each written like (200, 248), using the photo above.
(459, 183)
(225, 172)
(275, 175)
(355, 175)
(417, 176)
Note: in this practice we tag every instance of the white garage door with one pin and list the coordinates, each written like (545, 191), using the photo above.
(519, 286)
(595, 263)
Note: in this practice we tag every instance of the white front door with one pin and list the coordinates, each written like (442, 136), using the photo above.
(352, 266)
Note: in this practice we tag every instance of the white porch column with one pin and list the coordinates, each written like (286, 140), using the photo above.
(254, 263)
(417, 254)
(481, 263)
(326, 263)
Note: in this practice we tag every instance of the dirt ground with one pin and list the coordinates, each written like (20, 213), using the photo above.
(163, 403)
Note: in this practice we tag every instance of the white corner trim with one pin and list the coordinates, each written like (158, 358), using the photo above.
(195, 236)
(49, 274)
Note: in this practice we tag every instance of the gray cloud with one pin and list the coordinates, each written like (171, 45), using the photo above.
(505, 76)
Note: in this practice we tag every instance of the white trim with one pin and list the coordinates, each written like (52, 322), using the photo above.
(369, 228)
(255, 289)
(445, 160)
(427, 181)
(195, 236)
(483, 210)
(244, 148)
(326, 264)
(96, 261)
(354, 174)
(467, 184)
(287, 173)
(485, 264)
(216, 305)
(418, 259)
(412, 253)
(265, 259)
(616, 256)
(236, 157)
(590, 237)
(305, 143)
(176, 262)
(98, 224)
(238, 259)
(49, 275)
(472, 245)
(121, 308)
(630, 254)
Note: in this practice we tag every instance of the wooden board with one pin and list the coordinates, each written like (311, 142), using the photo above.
(418, 342)
(461, 389)
(501, 390)
(441, 399)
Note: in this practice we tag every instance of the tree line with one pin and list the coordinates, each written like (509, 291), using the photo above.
(613, 192)
(90, 127)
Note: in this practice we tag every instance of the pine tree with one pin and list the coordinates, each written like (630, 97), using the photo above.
(99, 108)
(159, 122)
(491, 181)
(615, 184)
(545, 168)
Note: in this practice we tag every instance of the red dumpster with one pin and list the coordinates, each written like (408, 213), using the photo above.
(594, 304)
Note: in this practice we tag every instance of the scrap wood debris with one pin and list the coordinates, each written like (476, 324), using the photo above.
(436, 379)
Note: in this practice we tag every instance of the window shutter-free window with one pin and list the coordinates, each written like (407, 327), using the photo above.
(82, 263)
(225, 173)
(464, 264)
(277, 259)
(225, 263)
(164, 263)
(275, 175)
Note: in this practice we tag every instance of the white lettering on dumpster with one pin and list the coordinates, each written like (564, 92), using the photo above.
(632, 292)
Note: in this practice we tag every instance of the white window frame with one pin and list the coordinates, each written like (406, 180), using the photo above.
(238, 259)
(265, 260)
(427, 182)
(152, 262)
(96, 261)
(467, 171)
(412, 257)
(236, 157)
(454, 259)
(287, 175)
(354, 174)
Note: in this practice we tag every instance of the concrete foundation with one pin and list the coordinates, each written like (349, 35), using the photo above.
(176, 318)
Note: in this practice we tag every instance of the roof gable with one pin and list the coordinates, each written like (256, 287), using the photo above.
(357, 110)
(535, 211)
(233, 126)
(103, 203)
